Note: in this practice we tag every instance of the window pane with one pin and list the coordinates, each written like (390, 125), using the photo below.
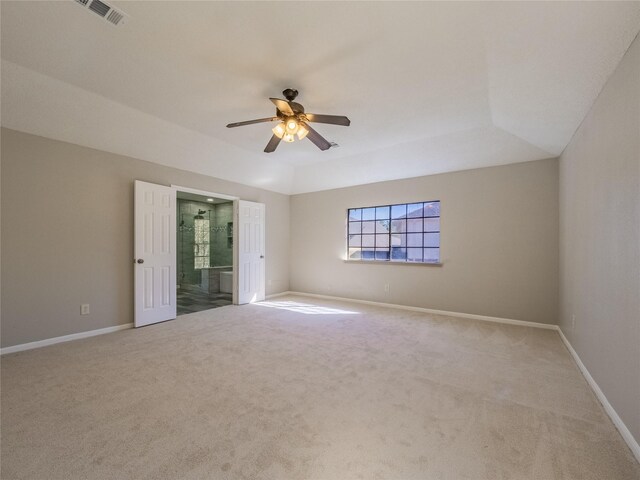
(398, 226)
(414, 240)
(354, 254)
(398, 240)
(398, 253)
(200, 262)
(368, 214)
(414, 210)
(355, 214)
(431, 240)
(382, 213)
(382, 226)
(355, 240)
(382, 254)
(432, 209)
(367, 254)
(368, 227)
(382, 241)
(432, 224)
(432, 255)
(414, 254)
(398, 211)
(355, 227)
(414, 225)
(201, 231)
(367, 240)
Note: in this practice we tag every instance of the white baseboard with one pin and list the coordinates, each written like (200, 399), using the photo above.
(276, 295)
(615, 418)
(472, 316)
(65, 338)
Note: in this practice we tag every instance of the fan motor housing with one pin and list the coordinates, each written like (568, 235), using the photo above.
(296, 107)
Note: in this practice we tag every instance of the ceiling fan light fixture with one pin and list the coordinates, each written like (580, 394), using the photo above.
(302, 132)
(292, 125)
(279, 130)
(288, 137)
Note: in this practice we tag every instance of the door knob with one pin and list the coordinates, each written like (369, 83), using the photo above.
(140, 260)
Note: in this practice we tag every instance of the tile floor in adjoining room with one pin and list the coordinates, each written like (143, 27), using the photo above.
(191, 299)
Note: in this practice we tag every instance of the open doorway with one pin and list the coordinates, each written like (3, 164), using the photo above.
(186, 245)
(204, 252)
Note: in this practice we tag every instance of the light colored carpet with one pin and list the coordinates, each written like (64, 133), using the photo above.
(329, 391)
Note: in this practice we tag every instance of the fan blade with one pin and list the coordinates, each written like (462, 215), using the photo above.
(331, 119)
(282, 105)
(316, 138)
(273, 144)
(250, 122)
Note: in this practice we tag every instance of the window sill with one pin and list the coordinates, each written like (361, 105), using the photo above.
(387, 262)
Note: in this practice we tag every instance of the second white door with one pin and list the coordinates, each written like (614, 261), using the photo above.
(251, 251)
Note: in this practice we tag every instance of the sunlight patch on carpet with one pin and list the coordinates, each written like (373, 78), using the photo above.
(306, 308)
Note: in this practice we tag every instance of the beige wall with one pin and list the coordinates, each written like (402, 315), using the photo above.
(499, 243)
(600, 240)
(67, 234)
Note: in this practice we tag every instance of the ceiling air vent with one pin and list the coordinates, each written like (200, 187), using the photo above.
(106, 11)
(99, 7)
(115, 16)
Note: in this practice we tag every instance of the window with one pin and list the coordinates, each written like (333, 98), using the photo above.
(408, 232)
(201, 243)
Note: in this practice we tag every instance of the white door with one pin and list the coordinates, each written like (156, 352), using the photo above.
(155, 253)
(250, 252)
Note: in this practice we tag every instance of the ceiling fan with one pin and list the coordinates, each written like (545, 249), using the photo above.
(294, 121)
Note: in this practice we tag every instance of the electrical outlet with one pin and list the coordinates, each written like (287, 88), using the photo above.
(84, 309)
(573, 321)
(387, 288)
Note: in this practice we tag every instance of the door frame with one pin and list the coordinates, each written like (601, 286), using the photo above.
(204, 193)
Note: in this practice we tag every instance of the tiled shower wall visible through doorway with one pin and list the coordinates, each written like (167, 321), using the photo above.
(221, 241)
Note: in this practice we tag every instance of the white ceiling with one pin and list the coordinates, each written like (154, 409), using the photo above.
(429, 87)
